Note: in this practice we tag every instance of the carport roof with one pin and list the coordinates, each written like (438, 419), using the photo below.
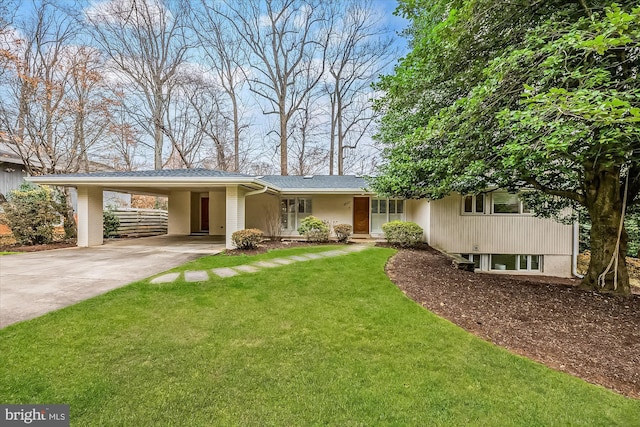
(166, 173)
(132, 181)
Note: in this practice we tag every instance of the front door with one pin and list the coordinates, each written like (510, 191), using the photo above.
(360, 215)
(204, 214)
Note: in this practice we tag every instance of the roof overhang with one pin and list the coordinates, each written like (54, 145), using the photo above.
(165, 185)
(351, 191)
(161, 185)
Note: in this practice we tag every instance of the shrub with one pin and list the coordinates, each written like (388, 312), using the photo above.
(110, 223)
(343, 232)
(402, 233)
(32, 212)
(247, 238)
(314, 229)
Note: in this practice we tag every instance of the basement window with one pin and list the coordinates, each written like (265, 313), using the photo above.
(473, 257)
(503, 262)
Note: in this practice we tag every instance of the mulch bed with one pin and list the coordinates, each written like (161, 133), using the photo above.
(37, 248)
(592, 336)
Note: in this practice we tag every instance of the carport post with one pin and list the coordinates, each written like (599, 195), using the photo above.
(235, 213)
(89, 216)
(179, 213)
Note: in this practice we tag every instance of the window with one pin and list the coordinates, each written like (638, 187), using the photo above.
(515, 262)
(292, 211)
(529, 262)
(385, 210)
(396, 209)
(498, 202)
(473, 257)
(474, 204)
(507, 203)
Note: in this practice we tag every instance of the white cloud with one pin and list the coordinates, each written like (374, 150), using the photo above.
(302, 16)
(127, 12)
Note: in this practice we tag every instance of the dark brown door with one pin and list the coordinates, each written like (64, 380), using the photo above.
(204, 214)
(361, 215)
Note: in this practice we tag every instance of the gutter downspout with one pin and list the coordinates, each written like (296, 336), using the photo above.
(575, 250)
(253, 193)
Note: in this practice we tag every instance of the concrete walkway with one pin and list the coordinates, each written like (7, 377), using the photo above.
(223, 272)
(32, 284)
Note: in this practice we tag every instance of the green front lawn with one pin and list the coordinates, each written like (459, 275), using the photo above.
(323, 342)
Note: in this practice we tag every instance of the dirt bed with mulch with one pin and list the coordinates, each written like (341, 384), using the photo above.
(37, 248)
(592, 336)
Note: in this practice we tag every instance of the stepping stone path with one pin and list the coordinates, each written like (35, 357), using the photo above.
(203, 275)
(196, 276)
(224, 272)
(165, 278)
(282, 261)
(246, 268)
(298, 258)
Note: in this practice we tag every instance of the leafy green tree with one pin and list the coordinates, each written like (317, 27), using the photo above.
(525, 94)
(32, 213)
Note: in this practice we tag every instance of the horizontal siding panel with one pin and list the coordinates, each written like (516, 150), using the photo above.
(142, 222)
(509, 234)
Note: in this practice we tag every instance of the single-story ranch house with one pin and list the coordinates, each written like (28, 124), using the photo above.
(494, 230)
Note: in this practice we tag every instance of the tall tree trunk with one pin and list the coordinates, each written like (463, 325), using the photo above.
(236, 134)
(157, 137)
(340, 136)
(332, 145)
(604, 202)
(284, 170)
(221, 161)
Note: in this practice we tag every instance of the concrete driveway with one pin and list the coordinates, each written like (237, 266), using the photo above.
(32, 284)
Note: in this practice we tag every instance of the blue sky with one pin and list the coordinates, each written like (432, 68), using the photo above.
(396, 23)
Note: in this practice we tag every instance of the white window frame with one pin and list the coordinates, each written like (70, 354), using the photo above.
(521, 207)
(518, 258)
(386, 216)
(294, 218)
(472, 257)
(474, 199)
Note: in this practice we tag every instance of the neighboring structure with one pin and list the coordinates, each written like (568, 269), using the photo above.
(12, 175)
(12, 172)
(493, 229)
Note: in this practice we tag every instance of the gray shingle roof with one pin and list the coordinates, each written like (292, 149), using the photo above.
(168, 173)
(313, 183)
(317, 181)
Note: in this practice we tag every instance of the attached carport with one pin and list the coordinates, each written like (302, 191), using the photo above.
(184, 188)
